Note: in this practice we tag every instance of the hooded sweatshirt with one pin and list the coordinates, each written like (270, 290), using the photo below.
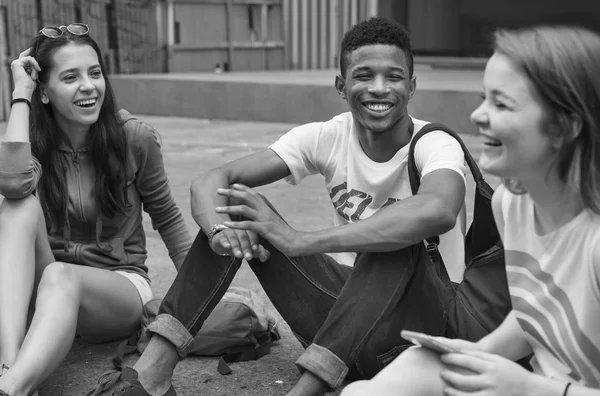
(88, 237)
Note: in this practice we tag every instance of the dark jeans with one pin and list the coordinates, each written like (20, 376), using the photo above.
(348, 318)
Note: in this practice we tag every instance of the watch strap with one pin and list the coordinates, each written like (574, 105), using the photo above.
(216, 228)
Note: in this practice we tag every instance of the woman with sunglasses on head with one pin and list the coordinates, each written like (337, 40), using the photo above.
(540, 128)
(75, 173)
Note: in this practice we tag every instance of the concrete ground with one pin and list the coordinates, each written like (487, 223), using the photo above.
(189, 147)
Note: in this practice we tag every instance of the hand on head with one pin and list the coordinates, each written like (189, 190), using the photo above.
(25, 71)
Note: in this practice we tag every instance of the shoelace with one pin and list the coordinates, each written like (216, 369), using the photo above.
(107, 380)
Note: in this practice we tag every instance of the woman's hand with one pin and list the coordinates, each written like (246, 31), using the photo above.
(25, 71)
(476, 372)
(459, 344)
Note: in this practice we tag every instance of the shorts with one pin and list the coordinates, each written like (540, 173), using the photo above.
(140, 283)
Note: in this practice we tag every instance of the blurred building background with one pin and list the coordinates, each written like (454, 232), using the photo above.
(462, 28)
(140, 36)
(180, 36)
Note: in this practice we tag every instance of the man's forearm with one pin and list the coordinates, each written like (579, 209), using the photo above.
(204, 199)
(399, 225)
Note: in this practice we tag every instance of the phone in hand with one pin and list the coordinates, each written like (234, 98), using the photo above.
(426, 341)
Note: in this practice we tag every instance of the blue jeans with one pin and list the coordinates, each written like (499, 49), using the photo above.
(348, 318)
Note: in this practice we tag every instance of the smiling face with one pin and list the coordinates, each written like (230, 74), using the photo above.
(377, 87)
(75, 87)
(513, 124)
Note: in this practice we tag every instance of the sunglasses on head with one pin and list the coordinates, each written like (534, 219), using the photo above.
(77, 29)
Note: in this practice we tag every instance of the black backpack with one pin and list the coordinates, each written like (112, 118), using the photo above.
(478, 304)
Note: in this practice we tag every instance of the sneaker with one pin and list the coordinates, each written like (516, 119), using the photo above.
(122, 382)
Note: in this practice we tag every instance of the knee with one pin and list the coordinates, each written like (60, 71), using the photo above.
(416, 371)
(415, 360)
(26, 212)
(357, 388)
(418, 356)
(58, 277)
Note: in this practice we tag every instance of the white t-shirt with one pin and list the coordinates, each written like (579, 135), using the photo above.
(358, 186)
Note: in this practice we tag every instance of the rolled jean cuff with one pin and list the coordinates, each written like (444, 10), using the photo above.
(170, 328)
(324, 364)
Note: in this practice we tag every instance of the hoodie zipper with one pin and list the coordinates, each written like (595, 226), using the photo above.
(79, 193)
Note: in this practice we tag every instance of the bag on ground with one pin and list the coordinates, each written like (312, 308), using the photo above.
(238, 329)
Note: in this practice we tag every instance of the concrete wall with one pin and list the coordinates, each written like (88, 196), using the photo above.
(272, 101)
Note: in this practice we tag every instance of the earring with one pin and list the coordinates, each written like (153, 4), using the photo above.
(45, 99)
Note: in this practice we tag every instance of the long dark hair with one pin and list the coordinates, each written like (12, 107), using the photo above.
(108, 143)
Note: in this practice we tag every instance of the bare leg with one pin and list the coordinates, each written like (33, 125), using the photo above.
(24, 253)
(415, 372)
(101, 305)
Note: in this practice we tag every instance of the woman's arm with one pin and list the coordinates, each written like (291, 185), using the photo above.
(19, 171)
(482, 373)
(544, 386)
(508, 340)
(24, 73)
(153, 186)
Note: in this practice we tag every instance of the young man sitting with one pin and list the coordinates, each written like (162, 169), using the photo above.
(347, 308)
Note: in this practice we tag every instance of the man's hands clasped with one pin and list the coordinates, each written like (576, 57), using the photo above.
(239, 243)
(241, 239)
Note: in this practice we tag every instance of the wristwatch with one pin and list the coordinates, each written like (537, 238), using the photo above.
(216, 228)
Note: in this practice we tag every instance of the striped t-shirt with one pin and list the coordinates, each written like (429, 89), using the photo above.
(555, 289)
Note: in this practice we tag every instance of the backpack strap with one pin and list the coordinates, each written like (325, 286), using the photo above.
(415, 182)
(413, 174)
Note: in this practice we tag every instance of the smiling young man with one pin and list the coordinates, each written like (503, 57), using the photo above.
(346, 307)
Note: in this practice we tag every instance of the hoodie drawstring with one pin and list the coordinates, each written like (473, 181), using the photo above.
(105, 246)
(66, 232)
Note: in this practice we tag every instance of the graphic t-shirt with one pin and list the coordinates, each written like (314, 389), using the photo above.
(358, 186)
(555, 289)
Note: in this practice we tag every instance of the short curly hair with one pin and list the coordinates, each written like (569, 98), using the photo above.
(376, 30)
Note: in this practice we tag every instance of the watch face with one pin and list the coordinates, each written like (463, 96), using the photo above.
(216, 228)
